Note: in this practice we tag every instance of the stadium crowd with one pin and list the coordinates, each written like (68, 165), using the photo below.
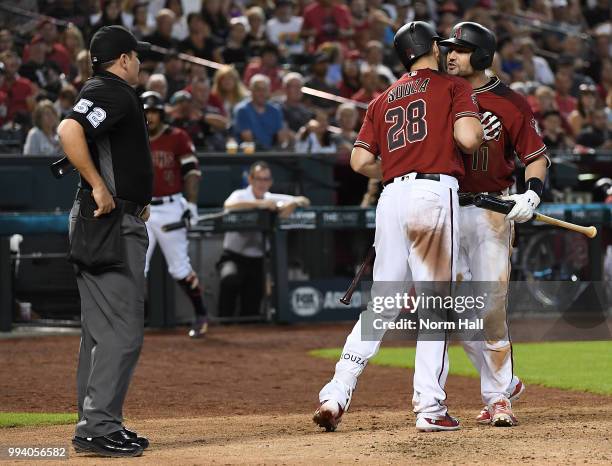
(263, 52)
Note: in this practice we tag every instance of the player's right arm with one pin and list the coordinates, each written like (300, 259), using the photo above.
(365, 149)
(72, 138)
(365, 163)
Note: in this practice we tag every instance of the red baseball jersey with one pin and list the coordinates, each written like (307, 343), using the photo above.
(492, 166)
(410, 125)
(167, 149)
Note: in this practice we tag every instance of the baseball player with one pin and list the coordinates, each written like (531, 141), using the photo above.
(486, 237)
(176, 170)
(417, 127)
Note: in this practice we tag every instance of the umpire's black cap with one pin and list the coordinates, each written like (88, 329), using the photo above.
(111, 41)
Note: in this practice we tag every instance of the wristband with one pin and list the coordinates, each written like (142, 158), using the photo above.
(536, 185)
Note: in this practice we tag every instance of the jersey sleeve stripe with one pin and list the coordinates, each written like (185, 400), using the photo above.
(189, 159)
(193, 172)
(363, 144)
(535, 154)
(466, 114)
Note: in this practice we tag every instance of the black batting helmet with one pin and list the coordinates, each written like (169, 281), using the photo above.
(477, 38)
(152, 100)
(413, 40)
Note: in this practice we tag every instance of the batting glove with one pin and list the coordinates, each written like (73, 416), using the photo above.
(191, 213)
(491, 126)
(524, 207)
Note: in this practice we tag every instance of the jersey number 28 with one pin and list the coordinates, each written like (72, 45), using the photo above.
(407, 124)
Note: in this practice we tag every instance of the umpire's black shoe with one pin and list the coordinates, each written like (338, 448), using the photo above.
(133, 436)
(116, 444)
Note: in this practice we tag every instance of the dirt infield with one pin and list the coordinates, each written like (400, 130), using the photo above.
(246, 395)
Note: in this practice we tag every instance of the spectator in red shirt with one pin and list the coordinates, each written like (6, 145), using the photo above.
(21, 93)
(266, 65)
(45, 74)
(55, 51)
(563, 83)
(325, 21)
(361, 23)
(199, 88)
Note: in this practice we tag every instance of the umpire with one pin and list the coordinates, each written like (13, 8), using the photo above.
(105, 137)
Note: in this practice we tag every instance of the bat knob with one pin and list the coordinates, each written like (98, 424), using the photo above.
(345, 301)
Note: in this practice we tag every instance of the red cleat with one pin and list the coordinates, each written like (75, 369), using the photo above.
(501, 414)
(428, 424)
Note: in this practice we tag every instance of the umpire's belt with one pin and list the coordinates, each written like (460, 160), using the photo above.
(165, 199)
(129, 207)
(450, 181)
(466, 199)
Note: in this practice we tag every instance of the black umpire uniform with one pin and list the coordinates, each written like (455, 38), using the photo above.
(112, 293)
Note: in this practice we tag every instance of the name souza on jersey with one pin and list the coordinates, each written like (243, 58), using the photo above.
(407, 89)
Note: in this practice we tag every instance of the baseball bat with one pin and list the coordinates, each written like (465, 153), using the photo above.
(496, 204)
(184, 223)
(346, 299)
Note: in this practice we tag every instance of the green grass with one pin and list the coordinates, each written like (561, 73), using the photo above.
(578, 365)
(36, 419)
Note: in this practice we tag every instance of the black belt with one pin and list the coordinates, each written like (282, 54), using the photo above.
(419, 176)
(162, 200)
(129, 207)
(466, 199)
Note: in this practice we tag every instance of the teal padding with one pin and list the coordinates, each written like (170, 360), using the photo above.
(14, 222)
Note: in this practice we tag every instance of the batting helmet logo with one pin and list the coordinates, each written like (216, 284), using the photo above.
(457, 34)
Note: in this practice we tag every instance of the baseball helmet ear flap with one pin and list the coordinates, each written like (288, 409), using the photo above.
(481, 59)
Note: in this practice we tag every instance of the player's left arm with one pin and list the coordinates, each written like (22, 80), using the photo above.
(190, 170)
(530, 148)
